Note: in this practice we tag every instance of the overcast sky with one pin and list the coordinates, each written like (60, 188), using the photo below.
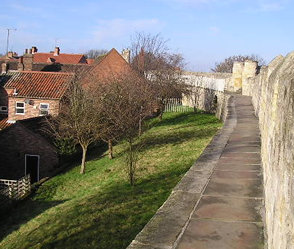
(204, 31)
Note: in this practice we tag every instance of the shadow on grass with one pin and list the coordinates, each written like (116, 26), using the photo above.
(94, 152)
(22, 212)
(175, 138)
(109, 219)
(184, 118)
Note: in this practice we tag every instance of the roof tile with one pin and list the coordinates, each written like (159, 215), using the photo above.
(31, 84)
(61, 58)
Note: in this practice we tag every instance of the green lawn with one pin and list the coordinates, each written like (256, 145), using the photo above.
(100, 209)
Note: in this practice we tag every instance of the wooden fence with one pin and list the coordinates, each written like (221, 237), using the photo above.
(175, 105)
(14, 189)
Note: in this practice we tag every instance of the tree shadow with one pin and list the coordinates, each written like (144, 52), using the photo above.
(174, 138)
(21, 212)
(108, 219)
(94, 152)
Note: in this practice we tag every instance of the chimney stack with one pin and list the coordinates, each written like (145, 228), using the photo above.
(34, 50)
(20, 65)
(10, 54)
(126, 54)
(27, 62)
(56, 51)
(4, 67)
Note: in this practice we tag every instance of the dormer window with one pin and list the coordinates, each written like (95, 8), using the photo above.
(44, 109)
(20, 108)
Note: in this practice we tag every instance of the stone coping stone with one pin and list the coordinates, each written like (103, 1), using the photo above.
(166, 226)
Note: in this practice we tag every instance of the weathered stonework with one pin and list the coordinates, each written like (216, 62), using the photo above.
(273, 99)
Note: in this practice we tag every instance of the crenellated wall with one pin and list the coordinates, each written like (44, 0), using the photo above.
(272, 92)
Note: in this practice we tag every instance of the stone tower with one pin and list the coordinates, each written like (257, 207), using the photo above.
(126, 54)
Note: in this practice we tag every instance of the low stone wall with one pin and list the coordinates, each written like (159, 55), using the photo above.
(208, 100)
(171, 219)
(273, 98)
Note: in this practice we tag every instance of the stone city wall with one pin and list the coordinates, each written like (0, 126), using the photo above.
(208, 92)
(272, 92)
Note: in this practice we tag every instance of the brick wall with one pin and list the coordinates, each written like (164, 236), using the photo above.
(32, 109)
(15, 142)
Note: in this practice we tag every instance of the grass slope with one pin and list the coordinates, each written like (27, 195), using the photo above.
(100, 209)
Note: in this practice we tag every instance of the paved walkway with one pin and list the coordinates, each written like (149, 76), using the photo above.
(227, 215)
(218, 203)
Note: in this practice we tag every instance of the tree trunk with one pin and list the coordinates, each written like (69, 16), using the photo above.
(160, 115)
(110, 149)
(161, 110)
(83, 166)
(131, 164)
(140, 126)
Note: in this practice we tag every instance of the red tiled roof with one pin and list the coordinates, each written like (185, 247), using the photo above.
(61, 58)
(4, 124)
(90, 61)
(33, 84)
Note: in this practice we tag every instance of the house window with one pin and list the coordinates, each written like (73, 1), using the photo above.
(44, 109)
(20, 108)
(3, 109)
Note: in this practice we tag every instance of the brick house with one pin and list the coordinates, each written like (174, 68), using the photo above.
(53, 61)
(32, 94)
(25, 149)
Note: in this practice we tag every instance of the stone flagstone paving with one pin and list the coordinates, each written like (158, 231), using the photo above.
(218, 203)
(228, 215)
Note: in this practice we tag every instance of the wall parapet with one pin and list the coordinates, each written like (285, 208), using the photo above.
(272, 94)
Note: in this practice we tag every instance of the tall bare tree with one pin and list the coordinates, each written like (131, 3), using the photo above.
(128, 101)
(79, 119)
(152, 58)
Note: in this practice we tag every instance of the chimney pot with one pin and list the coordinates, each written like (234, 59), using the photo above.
(34, 50)
(56, 51)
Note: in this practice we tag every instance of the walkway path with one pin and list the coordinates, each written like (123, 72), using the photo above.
(218, 203)
(228, 213)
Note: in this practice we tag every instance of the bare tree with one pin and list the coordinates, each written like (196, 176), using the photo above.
(79, 119)
(226, 66)
(128, 102)
(95, 53)
(152, 58)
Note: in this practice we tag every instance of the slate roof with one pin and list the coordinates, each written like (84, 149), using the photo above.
(33, 84)
(61, 58)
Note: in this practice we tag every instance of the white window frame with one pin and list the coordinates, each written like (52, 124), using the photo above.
(23, 108)
(47, 109)
(38, 171)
